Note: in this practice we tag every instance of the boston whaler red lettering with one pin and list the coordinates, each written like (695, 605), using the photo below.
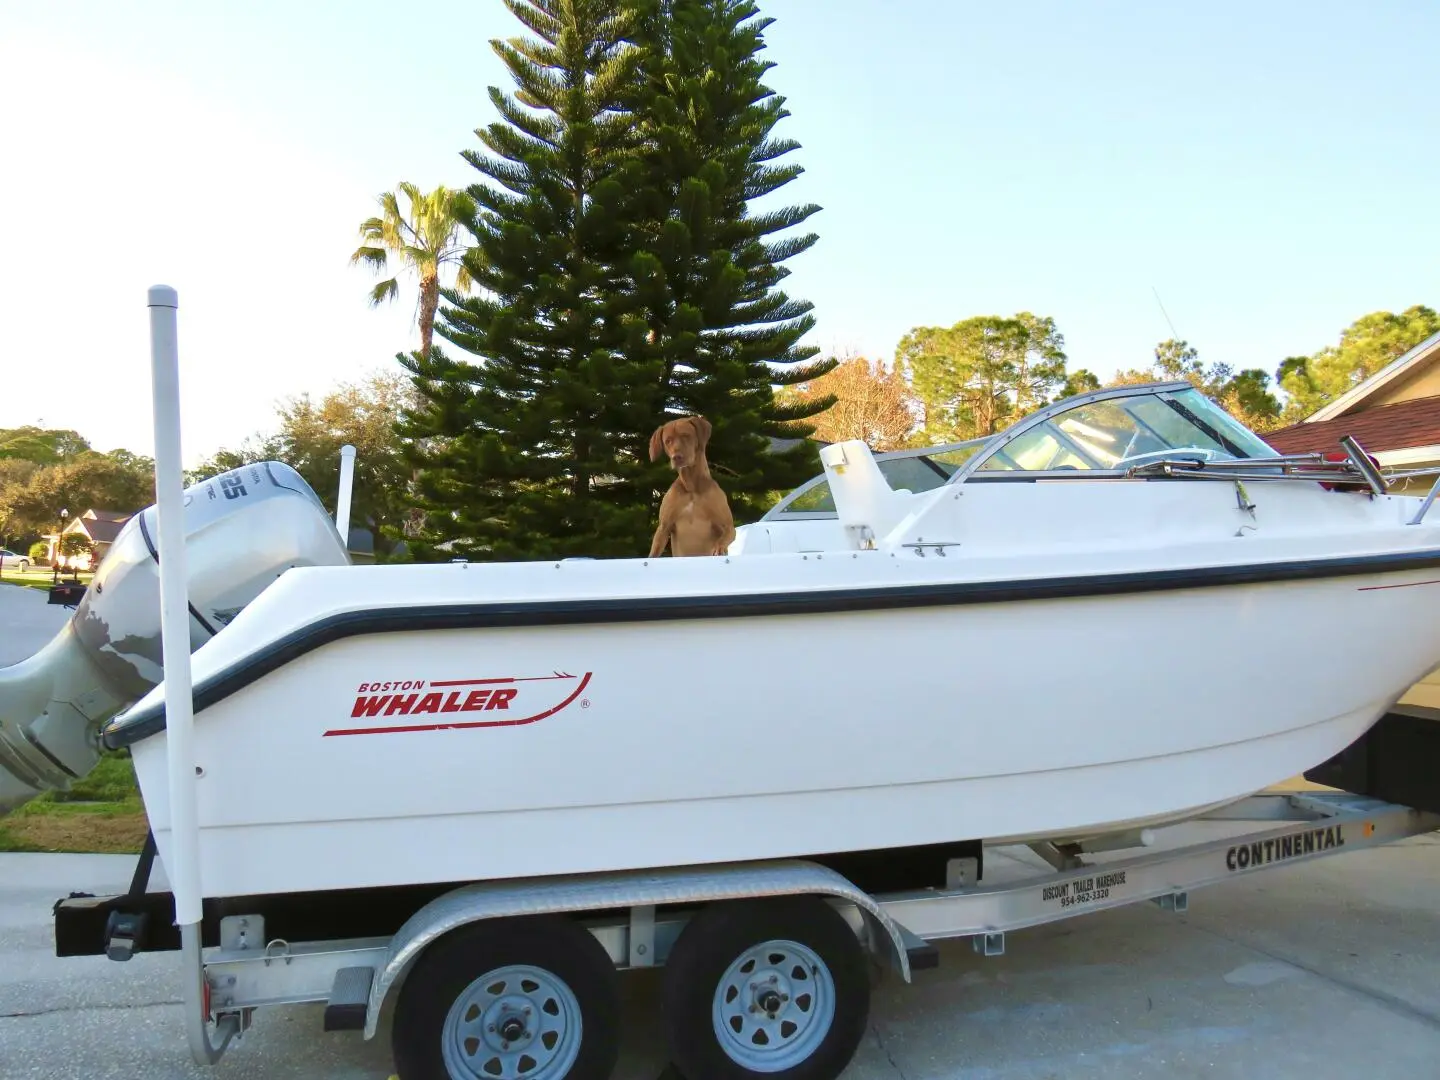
(515, 701)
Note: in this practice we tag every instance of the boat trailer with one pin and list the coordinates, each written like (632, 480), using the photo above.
(636, 920)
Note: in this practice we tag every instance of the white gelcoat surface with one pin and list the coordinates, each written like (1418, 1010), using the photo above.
(700, 740)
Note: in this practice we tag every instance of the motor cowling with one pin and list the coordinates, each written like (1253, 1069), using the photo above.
(242, 528)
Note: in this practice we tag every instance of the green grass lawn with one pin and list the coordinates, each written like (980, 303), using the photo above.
(37, 577)
(100, 813)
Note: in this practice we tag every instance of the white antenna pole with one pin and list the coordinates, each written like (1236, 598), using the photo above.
(342, 503)
(183, 865)
(174, 608)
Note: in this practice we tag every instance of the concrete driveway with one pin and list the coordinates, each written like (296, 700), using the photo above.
(1330, 969)
(27, 621)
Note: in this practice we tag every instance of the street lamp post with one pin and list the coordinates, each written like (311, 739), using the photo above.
(55, 557)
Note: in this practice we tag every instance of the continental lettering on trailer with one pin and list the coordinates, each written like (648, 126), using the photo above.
(1080, 891)
(1263, 852)
(406, 705)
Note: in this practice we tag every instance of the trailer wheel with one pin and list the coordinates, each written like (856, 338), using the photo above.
(774, 988)
(509, 999)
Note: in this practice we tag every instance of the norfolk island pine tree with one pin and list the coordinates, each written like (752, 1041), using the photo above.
(538, 449)
(707, 265)
(517, 447)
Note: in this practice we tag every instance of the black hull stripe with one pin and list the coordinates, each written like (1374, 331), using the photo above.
(402, 618)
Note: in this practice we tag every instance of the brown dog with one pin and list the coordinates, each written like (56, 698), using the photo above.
(695, 516)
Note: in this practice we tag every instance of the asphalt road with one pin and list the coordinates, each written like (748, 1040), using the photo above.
(1330, 969)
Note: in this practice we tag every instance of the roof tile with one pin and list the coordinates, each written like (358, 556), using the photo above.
(1385, 427)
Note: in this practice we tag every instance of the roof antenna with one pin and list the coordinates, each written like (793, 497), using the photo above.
(1174, 334)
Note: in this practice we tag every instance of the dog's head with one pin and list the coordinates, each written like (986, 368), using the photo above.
(682, 441)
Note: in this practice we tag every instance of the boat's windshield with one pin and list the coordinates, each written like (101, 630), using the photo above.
(1110, 430)
(1119, 432)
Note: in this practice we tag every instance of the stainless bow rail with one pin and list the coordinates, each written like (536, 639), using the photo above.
(1357, 468)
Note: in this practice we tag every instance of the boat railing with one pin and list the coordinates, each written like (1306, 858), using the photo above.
(1356, 467)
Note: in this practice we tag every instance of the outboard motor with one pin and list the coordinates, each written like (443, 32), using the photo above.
(243, 529)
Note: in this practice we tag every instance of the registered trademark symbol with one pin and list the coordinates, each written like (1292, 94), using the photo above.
(585, 703)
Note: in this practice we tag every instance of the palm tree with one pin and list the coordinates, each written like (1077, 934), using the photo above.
(424, 241)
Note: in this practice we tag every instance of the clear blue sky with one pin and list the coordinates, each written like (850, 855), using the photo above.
(1270, 169)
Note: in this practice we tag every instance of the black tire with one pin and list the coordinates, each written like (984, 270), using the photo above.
(556, 946)
(716, 939)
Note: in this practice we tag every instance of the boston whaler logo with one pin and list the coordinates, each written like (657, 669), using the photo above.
(510, 702)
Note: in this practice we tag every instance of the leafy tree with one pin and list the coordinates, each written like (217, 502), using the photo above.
(709, 261)
(872, 403)
(16, 471)
(43, 446)
(1365, 346)
(980, 375)
(1082, 381)
(90, 480)
(1179, 360)
(363, 415)
(1245, 395)
(425, 240)
(1039, 362)
(532, 450)
(308, 437)
(255, 448)
(73, 546)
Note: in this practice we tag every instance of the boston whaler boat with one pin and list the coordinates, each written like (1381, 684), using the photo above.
(995, 658)
(1124, 611)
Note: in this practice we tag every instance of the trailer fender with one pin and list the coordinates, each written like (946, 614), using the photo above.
(597, 892)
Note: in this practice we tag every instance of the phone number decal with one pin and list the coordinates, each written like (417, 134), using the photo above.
(1087, 890)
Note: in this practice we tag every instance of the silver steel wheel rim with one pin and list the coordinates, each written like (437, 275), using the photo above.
(773, 1006)
(514, 1023)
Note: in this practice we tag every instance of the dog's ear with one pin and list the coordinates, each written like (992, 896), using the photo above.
(656, 446)
(702, 429)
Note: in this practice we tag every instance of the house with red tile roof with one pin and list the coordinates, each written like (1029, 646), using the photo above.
(1394, 415)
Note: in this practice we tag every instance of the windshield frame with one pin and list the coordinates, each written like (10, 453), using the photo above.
(991, 446)
(1161, 391)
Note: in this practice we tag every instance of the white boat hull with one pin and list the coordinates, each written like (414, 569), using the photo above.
(694, 740)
